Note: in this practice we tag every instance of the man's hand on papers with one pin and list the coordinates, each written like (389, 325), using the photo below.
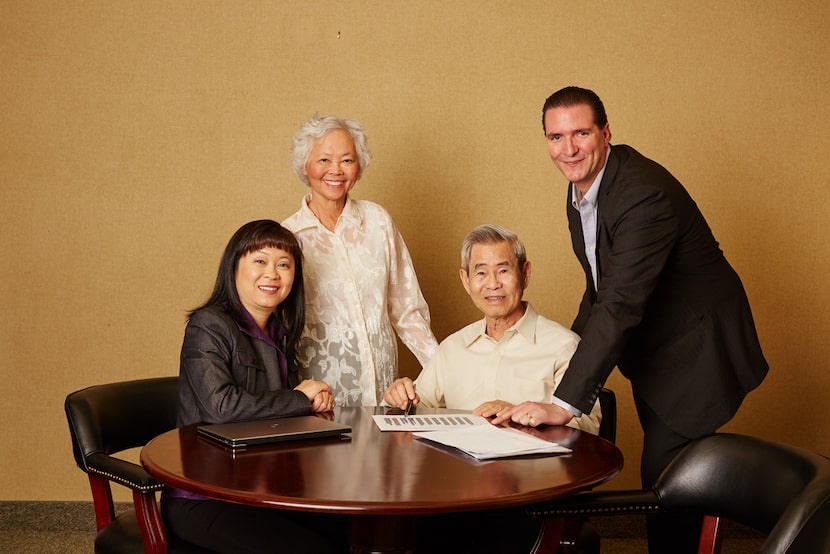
(492, 408)
(400, 393)
(533, 414)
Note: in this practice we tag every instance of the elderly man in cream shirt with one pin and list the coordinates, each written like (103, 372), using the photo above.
(511, 356)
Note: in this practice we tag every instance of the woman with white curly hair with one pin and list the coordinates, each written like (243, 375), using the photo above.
(361, 287)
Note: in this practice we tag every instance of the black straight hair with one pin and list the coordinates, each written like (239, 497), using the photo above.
(253, 236)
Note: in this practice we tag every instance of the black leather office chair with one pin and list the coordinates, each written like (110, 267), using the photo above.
(105, 420)
(780, 490)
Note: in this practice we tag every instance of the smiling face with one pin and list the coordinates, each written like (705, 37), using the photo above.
(576, 144)
(496, 283)
(332, 167)
(263, 280)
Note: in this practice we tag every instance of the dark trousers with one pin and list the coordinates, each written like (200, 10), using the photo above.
(230, 528)
(667, 533)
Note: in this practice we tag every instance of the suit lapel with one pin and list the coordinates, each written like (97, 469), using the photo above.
(575, 227)
(606, 186)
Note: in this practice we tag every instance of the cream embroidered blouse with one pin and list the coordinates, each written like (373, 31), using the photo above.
(360, 288)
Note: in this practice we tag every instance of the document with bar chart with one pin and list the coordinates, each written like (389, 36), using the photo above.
(427, 422)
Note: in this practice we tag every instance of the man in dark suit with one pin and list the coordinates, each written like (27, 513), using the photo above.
(661, 301)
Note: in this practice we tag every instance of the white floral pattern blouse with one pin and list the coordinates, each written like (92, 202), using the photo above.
(360, 288)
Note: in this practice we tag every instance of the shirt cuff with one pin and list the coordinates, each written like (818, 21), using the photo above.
(562, 404)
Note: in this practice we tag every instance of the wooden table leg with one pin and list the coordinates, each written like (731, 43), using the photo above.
(382, 535)
(558, 536)
(571, 535)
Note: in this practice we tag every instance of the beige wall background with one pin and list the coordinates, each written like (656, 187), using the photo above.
(137, 136)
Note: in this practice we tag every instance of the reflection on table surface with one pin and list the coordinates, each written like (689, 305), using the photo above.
(374, 472)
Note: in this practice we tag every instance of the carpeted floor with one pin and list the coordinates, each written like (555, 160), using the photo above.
(69, 528)
(46, 527)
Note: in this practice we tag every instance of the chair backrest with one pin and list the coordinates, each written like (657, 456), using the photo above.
(105, 420)
(608, 404)
(118, 416)
(780, 490)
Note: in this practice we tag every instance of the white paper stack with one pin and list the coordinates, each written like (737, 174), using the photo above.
(488, 441)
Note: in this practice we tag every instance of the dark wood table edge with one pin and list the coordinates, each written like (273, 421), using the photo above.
(387, 528)
(380, 508)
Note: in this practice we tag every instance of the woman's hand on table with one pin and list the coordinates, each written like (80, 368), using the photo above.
(318, 393)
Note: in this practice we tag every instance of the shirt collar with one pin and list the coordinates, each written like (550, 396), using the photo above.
(593, 191)
(526, 327)
(351, 213)
(273, 330)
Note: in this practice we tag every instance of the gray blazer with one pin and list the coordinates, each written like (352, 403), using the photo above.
(225, 375)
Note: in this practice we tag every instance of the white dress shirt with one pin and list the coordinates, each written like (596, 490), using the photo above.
(587, 207)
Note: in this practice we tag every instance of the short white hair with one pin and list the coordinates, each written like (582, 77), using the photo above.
(492, 234)
(316, 128)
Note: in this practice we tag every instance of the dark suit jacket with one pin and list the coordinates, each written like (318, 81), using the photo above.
(225, 375)
(670, 311)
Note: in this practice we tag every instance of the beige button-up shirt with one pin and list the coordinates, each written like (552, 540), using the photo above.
(527, 364)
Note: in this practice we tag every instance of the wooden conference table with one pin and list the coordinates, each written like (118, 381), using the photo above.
(381, 479)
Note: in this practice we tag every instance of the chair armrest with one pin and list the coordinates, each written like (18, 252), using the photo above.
(641, 501)
(124, 473)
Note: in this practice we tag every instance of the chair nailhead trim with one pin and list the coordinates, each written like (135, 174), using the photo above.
(589, 511)
(126, 483)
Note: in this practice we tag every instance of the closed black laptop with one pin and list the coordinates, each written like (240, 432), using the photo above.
(263, 431)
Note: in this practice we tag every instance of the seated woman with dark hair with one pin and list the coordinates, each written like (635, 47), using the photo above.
(238, 362)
